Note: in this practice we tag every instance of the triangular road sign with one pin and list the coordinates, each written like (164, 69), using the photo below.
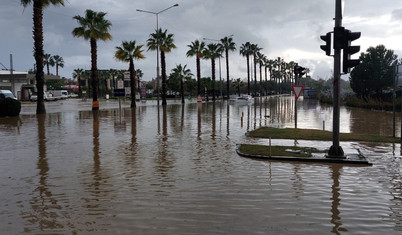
(297, 90)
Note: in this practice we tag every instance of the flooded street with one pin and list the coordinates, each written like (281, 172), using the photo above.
(174, 170)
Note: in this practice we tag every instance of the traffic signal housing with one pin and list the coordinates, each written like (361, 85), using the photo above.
(327, 47)
(300, 71)
(349, 50)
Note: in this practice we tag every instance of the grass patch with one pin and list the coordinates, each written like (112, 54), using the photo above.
(289, 151)
(310, 134)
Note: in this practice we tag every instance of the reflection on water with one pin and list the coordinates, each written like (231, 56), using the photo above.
(174, 170)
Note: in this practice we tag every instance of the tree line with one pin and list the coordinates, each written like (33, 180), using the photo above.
(94, 27)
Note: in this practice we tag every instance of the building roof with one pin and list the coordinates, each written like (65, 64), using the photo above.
(8, 72)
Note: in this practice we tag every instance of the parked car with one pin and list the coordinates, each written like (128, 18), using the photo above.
(7, 94)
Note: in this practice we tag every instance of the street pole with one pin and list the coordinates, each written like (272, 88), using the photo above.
(220, 77)
(336, 150)
(12, 77)
(157, 48)
(296, 77)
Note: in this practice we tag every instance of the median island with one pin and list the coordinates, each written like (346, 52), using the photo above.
(296, 153)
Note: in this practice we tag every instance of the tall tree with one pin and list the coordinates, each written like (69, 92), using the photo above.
(227, 45)
(57, 61)
(128, 52)
(78, 73)
(212, 52)
(113, 73)
(38, 6)
(196, 49)
(260, 61)
(93, 27)
(181, 73)
(165, 42)
(245, 50)
(255, 49)
(374, 73)
(139, 74)
(46, 62)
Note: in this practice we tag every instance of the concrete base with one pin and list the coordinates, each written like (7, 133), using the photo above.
(355, 159)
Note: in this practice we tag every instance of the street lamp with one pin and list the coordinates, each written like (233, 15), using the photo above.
(220, 75)
(157, 49)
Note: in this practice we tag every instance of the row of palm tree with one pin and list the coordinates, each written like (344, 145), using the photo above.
(55, 60)
(93, 27)
(211, 51)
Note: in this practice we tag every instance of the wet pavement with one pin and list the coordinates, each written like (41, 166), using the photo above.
(175, 170)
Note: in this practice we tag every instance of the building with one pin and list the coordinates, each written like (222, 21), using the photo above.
(21, 84)
(14, 82)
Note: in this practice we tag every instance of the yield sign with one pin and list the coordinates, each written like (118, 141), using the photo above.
(297, 90)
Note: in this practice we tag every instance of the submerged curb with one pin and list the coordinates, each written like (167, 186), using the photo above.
(356, 159)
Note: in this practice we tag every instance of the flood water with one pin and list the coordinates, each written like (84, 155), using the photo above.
(174, 170)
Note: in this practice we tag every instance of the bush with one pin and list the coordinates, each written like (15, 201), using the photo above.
(9, 107)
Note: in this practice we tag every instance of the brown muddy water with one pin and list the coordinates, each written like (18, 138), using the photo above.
(174, 170)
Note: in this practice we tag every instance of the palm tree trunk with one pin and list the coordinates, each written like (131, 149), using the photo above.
(213, 78)
(248, 74)
(38, 54)
(79, 87)
(94, 75)
(227, 73)
(198, 76)
(182, 90)
(132, 83)
(255, 76)
(164, 88)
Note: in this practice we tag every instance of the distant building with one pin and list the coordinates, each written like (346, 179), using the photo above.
(21, 84)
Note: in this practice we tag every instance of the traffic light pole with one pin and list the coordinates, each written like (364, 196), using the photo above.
(296, 83)
(336, 150)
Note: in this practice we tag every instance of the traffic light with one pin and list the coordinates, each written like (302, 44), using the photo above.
(300, 71)
(327, 47)
(349, 50)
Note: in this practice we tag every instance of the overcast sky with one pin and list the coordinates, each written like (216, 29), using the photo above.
(289, 29)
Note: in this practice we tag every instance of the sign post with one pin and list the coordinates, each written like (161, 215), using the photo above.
(297, 90)
(119, 93)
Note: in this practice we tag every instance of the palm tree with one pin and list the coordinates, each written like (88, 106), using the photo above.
(255, 49)
(113, 73)
(38, 6)
(245, 50)
(213, 51)
(46, 61)
(181, 73)
(228, 45)
(57, 61)
(128, 52)
(196, 49)
(78, 74)
(164, 41)
(260, 61)
(93, 27)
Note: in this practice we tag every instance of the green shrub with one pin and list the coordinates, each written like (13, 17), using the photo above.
(9, 107)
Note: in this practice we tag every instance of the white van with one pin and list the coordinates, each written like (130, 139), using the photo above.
(60, 94)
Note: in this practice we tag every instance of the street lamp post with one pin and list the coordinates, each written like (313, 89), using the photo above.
(157, 49)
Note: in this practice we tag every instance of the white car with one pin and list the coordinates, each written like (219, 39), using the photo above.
(7, 94)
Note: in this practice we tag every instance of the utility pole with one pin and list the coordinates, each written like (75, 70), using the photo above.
(336, 150)
(11, 76)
